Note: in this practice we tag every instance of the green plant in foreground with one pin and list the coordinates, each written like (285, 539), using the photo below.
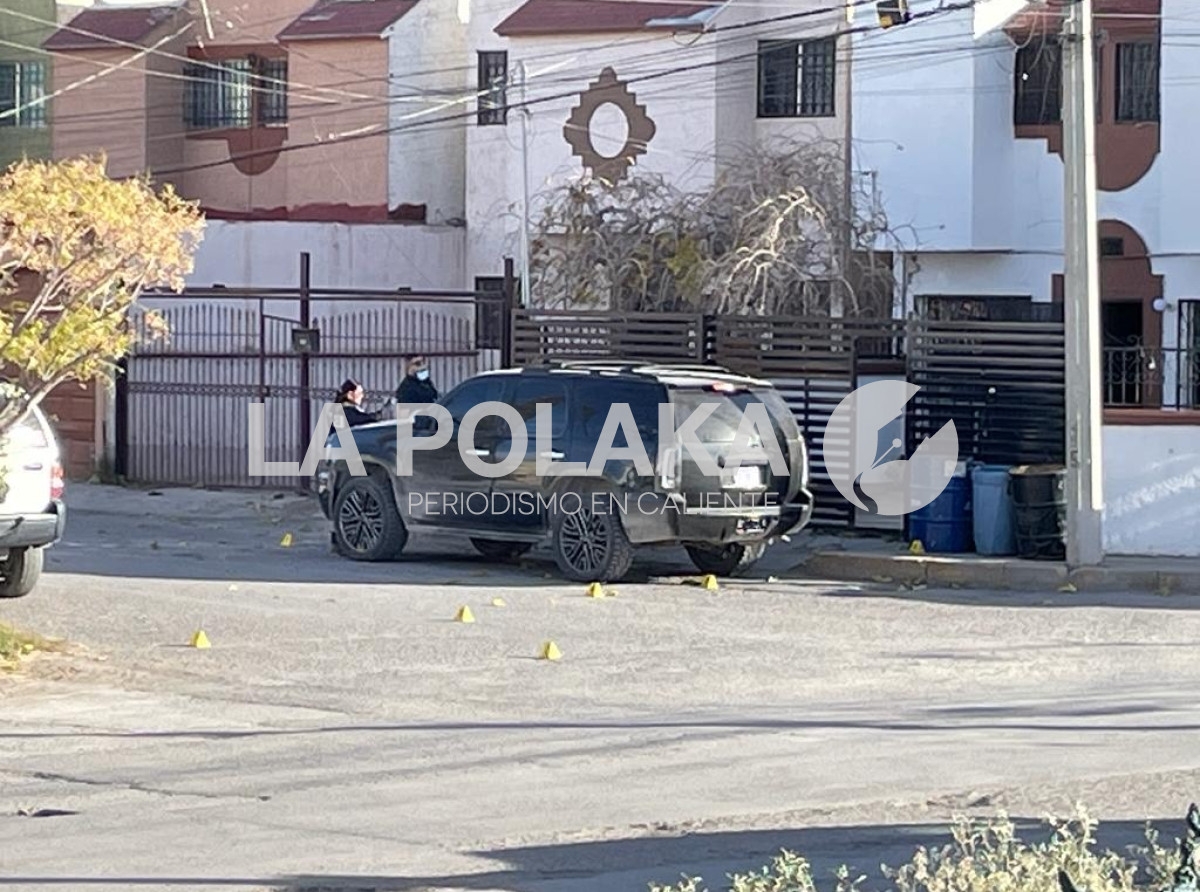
(788, 872)
(985, 856)
(16, 645)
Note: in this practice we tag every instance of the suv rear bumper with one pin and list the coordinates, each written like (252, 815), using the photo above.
(34, 530)
(716, 525)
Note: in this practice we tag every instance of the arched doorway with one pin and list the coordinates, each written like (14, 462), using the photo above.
(1130, 327)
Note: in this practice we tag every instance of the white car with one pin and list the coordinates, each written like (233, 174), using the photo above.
(32, 512)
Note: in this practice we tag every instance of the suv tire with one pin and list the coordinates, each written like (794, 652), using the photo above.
(495, 550)
(590, 546)
(729, 560)
(366, 522)
(21, 572)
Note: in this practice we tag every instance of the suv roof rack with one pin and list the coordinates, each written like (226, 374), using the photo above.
(629, 365)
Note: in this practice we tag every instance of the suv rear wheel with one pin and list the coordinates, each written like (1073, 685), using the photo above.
(20, 572)
(589, 545)
(727, 560)
(501, 551)
(366, 522)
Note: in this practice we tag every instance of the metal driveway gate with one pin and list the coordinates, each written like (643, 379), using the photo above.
(183, 404)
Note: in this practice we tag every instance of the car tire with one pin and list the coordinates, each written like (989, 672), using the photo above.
(495, 550)
(21, 572)
(366, 522)
(729, 560)
(589, 546)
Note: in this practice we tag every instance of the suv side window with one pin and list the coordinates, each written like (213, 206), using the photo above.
(471, 393)
(597, 396)
(534, 389)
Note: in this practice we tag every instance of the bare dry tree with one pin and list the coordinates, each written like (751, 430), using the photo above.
(774, 234)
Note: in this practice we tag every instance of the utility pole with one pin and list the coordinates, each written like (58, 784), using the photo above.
(525, 293)
(1084, 478)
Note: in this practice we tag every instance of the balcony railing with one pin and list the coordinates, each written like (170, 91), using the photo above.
(1151, 378)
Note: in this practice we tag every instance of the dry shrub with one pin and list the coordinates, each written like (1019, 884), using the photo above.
(986, 856)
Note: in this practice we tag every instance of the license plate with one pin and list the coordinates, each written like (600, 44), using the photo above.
(748, 478)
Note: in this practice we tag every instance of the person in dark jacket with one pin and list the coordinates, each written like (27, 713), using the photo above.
(416, 386)
(350, 397)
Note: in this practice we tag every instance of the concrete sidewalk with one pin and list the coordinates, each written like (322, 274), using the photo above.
(883, 561)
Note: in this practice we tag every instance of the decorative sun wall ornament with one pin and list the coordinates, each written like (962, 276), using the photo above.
(578, 130)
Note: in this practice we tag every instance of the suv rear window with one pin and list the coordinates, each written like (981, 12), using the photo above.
(722, 425)
(596, 396)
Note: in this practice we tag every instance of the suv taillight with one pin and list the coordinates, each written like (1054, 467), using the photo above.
(57, 485)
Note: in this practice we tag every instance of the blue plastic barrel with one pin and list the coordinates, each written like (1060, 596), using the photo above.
(994, 513)
(944, 525)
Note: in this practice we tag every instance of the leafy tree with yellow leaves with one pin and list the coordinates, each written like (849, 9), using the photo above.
(77, 249)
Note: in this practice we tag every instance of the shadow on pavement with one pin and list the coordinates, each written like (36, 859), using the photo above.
(634, 862)
(1062, 718)
(1027, 599)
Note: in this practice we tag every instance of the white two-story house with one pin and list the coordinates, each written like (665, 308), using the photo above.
(964, 139)
(664, 87)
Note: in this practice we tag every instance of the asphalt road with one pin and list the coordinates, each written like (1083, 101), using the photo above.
(344, 733)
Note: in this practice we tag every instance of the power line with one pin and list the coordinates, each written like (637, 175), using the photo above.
(455, 93)
(707, 64)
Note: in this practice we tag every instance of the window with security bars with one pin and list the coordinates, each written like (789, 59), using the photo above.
(1037, 93)
(235, 93)
(797, 78)
(272, 92)
(492, 86)
(22, 94)
(1137, 81)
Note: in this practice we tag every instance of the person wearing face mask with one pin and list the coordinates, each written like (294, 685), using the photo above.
(416, 386)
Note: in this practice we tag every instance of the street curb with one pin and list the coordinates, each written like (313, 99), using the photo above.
(1011, 574)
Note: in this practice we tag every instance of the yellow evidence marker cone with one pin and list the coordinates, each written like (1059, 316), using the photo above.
(551, 652)
(595, 590)
(286, 541)
(916, 547)
(499, 602)
(200, 641)
(710, 583)
(464, 615)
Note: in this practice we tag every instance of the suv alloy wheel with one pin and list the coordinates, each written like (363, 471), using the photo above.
(589, 545)
(366, 522)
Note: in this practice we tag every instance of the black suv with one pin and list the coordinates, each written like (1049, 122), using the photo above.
(591, 522)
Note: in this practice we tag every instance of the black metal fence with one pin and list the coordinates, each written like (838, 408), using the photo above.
(1002, 383)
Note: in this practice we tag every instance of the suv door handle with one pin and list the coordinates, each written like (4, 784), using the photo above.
(553, 455)
(481, 453)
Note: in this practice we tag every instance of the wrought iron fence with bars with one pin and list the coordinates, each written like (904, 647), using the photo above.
(1152, 378)
(183, 403)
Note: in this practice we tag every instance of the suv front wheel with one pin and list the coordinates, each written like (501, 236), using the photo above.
(589, 545)
(728, 560)
(20, 572)
(366, 522)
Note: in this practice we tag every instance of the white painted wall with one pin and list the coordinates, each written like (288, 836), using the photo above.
(1152, 490)
(701, 114)
(266, 254)
(933, 117)
(427, 165)
(682, 107)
